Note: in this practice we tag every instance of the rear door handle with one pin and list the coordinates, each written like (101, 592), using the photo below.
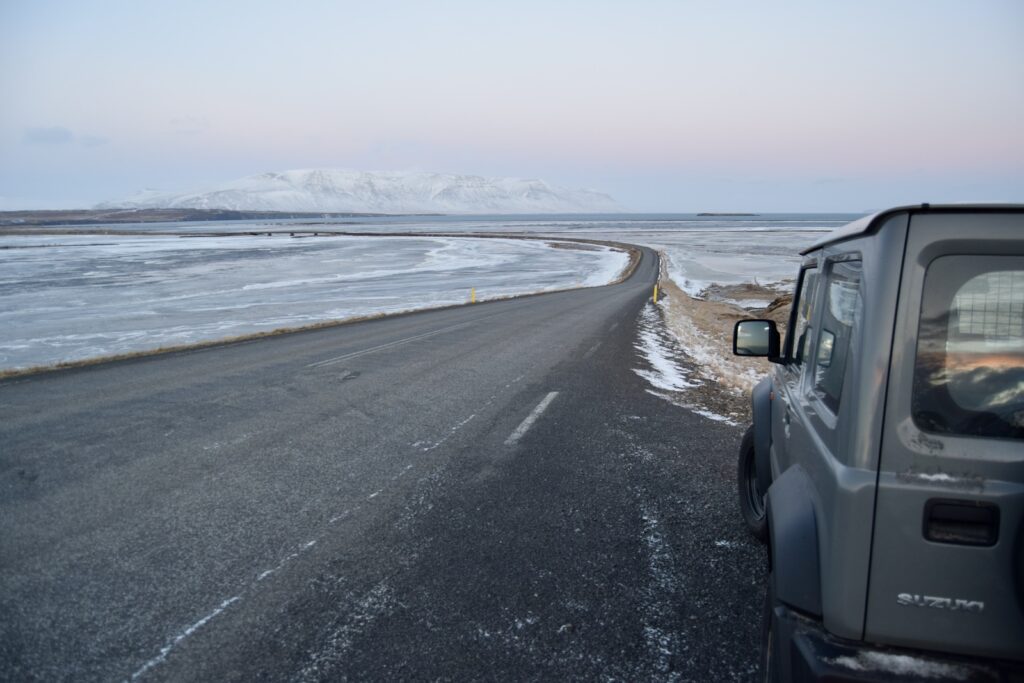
(961, 522)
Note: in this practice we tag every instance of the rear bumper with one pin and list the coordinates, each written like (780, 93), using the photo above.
(812, 654)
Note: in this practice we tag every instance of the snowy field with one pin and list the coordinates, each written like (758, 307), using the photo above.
(73, 297)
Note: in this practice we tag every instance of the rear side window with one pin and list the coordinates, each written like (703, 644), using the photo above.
(969, 369)
(840, 319)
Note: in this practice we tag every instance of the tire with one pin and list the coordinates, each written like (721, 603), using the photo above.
(769, 645)
(751, 497)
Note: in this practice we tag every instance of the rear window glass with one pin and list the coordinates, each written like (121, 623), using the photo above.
(969, 371)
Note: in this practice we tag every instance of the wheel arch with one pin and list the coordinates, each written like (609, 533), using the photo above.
(761, 409)
(793, 542)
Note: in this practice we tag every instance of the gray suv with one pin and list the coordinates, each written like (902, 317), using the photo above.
(885, 465)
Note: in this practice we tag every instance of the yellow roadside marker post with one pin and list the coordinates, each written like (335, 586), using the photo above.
(655, 292)
(472, 295)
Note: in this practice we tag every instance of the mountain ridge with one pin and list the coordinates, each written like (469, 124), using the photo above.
(337, 190)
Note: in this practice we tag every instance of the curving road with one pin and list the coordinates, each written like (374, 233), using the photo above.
(485, 492)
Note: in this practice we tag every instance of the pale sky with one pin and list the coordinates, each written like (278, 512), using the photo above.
(667, 106)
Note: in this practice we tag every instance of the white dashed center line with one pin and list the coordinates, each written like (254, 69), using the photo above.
(530, 419)
(391, 345)
(399, 342)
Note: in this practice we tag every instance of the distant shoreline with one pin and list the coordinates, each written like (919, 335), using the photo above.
(100, 216)
(709, 213)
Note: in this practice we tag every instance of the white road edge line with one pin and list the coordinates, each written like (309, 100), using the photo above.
(530, 419)
(590, 352)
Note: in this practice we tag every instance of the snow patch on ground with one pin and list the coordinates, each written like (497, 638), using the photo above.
(747, 303)
(661, 643)
(714, 416)
(656, 348)
(668, 372)
(324, 662)
(706, 352)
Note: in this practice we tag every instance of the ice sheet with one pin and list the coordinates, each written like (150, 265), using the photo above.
(70, 297)
(697, 259)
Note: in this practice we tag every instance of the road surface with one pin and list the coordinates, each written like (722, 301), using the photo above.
(485, 492)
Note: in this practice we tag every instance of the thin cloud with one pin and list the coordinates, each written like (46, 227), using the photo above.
(49, 135)
(59, 135)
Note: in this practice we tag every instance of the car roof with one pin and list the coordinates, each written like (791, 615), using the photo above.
(870, 224)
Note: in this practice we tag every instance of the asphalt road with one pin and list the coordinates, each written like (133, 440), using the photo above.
(487, 492)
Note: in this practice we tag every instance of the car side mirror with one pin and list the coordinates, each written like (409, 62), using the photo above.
(756, 339)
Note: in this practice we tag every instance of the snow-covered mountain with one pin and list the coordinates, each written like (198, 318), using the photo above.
(331, 190)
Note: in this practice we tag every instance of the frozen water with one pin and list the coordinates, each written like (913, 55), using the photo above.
(697, 259)
(67, 297)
